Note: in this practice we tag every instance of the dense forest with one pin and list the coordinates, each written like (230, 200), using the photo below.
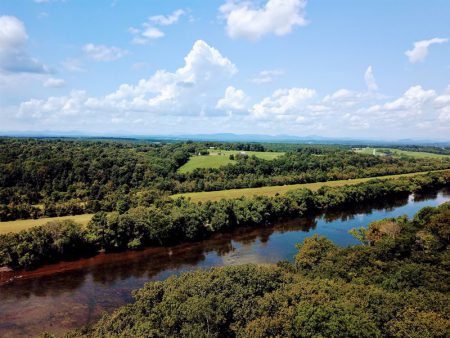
(56, 177)
(172, 221)
(393, 285)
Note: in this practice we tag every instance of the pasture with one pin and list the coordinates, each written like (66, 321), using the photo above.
(273, 190)
(23, 224)
(398, 152)
(218, 158)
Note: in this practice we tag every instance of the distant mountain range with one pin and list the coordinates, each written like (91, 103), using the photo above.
(230, 137)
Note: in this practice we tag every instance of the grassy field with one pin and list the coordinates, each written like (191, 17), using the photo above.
(397, 152)
(218, 158)
(22, 224)
(273, 190)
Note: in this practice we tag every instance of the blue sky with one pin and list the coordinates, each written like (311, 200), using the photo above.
(372, 69)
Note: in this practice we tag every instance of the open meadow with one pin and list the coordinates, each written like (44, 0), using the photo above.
(23, 224)
(218, 158)
(205, 196)
(398, 152)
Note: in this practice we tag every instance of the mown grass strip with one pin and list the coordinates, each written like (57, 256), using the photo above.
(23, 224)
(273, 190)
(399, 152)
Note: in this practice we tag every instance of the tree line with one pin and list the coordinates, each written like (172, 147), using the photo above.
(170, 221)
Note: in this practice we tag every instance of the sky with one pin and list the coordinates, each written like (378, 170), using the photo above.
(347, 69)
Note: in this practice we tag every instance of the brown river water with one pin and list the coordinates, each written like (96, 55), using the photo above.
(68, 295)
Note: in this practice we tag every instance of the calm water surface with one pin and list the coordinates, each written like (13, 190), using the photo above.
(63, 296)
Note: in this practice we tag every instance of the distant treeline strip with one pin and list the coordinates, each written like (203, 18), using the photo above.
(168, 222)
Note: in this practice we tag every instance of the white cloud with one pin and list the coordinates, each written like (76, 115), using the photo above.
(282, 102)
(191, 90)
(277, 17)
(355, 121)
(370, 79)
(149, 30)
(182, 100)
(168, 19)
(54, 83)
(146, 34)
(104, 53)
(420, 50)
(13, 55)
(442, 104)
(233, 100)
(345, 98)
(188, 90)
(444, 114)
(353, 111)
(267, 76)
(411, 101)
(410, 109)
(54, 107)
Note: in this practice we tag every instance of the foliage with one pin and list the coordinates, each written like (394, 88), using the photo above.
(360, 291)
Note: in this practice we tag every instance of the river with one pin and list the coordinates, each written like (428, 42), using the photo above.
(63, 296)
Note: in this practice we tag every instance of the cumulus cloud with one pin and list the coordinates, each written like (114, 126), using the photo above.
(442, 104)
(145, 35)
(279, 17)
(420, 49)
(233, 100)
(104, 53)
(345, 98)
(191, 90)
(415, 108)
(149, 30)
(348, 110)
(171, 100)
(267, 76)
(411, 103)
(54, 107)
(282, 102)
(355, 121)
(370, 79)
(54, 83)
(13, 55)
